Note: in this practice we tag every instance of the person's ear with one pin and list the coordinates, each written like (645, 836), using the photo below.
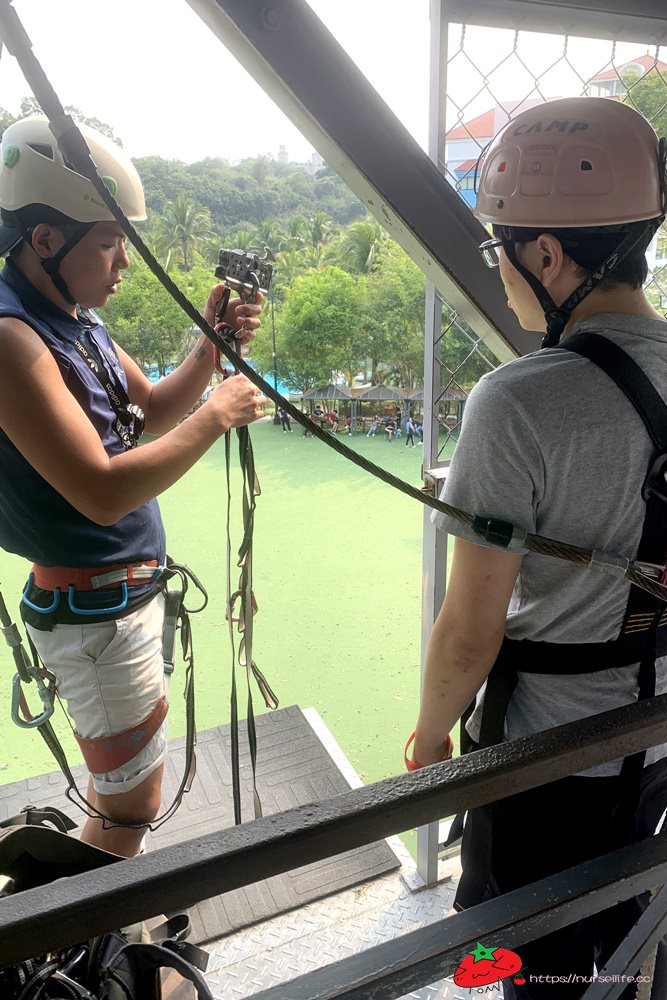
(46, 240)
(550, 258)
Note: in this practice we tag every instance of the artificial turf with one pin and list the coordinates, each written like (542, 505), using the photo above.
(337, 577)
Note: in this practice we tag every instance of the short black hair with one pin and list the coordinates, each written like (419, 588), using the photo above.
(589, 247)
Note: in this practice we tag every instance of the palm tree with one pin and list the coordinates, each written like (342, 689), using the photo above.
(267, 234)
(295, 235)
(184, 228)
(360, 245)
(321, 229)
(289, 265)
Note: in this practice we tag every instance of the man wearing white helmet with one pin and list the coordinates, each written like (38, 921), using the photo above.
(550, 444)
(76, 496)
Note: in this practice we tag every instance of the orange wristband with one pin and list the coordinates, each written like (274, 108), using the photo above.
(412, 764)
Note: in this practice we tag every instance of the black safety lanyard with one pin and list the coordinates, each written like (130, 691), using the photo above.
(129, 422)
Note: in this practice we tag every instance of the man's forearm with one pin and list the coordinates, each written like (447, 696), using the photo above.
(456, 667)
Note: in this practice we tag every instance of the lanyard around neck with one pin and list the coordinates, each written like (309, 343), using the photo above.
(129, 422)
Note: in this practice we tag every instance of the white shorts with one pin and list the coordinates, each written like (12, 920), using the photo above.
(111, 674)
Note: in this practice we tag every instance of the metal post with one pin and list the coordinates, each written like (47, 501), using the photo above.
(434, 542)
(276, 418)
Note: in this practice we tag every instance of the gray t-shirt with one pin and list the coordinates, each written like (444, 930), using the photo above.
(551, 444)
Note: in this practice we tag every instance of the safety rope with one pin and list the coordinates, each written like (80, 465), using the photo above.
(75, 149)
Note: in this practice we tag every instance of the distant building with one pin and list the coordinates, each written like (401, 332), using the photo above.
(610, 84)
(465, 142)
(310, 166)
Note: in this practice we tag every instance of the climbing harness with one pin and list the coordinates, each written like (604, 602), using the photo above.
(105, 754)
(642, 639)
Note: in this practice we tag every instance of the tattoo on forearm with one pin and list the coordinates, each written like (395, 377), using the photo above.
(200, 353)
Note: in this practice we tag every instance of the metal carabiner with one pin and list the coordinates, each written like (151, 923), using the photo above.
(44, 694)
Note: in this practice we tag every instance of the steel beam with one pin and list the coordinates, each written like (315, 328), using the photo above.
(643, 21)
(290, 53)
(73, 909)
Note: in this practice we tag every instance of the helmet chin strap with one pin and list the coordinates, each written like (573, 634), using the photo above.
(52, 264)
(557, 317)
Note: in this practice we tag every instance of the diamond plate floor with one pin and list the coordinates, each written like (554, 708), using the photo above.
(293, 768)
(277, 950)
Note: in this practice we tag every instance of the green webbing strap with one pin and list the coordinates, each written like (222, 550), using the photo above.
(244, 618)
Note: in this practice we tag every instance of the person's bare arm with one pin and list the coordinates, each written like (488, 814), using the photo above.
(50, 429)
(465, 641)
(166, 401)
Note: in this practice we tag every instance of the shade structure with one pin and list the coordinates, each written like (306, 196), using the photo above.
(330, 392)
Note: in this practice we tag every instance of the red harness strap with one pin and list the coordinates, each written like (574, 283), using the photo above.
(110, 752)
(62, 577)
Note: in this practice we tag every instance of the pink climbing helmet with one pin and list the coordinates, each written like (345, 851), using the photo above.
(575, 162)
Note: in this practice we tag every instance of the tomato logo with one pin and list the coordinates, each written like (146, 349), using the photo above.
(484, 966)
(519, 980)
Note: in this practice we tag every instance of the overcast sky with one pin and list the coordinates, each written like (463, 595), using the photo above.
(153, 71)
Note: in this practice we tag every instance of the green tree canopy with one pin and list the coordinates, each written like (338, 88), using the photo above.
(648, 94)
(147, 323)
(395, 318)
(184, 229)
(319, 330)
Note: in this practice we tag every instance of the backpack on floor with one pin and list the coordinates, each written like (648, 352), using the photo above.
(147, 961)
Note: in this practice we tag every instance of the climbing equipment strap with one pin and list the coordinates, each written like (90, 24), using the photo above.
(643, 635)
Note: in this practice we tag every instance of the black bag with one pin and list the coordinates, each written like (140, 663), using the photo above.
(147, 961)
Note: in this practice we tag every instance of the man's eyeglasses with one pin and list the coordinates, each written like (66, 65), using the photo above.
(490, 251)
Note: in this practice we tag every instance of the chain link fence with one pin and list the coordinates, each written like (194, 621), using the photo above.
(492, 75)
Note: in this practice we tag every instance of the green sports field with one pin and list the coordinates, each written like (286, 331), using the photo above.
(337, 580)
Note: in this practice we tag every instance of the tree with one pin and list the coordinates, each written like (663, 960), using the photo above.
(319, 330)
(648, 94)
(30, 106)
(360, 245)
(183, 228)
(395, 318)
(6, 119)
(145, 320)
(295, 234)
(321, 229)
(289, 265)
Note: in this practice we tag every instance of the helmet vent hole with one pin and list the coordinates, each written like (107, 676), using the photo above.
(42, 149)
(586, 165)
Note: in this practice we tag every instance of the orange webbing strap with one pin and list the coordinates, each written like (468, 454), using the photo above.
(106, 753)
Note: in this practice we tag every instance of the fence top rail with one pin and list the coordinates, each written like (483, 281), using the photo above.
(70, 910)
(640, 21)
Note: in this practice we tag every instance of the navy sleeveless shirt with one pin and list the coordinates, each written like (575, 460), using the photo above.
(35, 520)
